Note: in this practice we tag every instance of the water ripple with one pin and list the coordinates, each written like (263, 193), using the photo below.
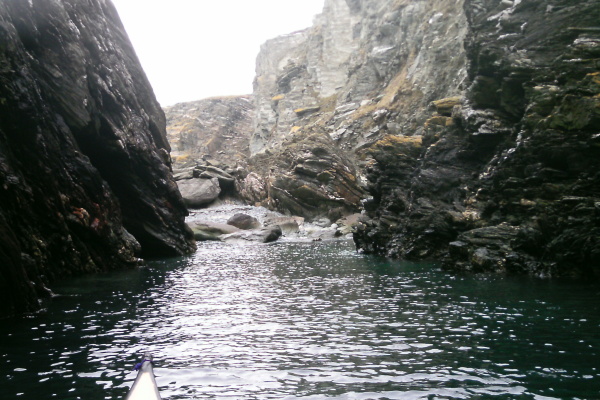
(309, 321)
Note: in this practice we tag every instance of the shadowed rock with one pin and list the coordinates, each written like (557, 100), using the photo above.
(85, 178)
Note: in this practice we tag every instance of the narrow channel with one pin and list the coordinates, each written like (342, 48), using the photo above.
(311, 321)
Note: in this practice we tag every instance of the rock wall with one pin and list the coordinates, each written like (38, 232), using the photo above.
(507, 177)
(85, 179)
(365, 70)
(215, 130)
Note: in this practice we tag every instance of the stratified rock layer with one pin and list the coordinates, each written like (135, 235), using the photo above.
(85, 179)
(507, 180)
(365, 70)
(215, 130)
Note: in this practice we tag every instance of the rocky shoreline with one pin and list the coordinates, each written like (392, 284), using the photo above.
(238, 223)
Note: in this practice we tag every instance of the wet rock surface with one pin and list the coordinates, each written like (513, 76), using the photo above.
(507, 180)
(85, 178)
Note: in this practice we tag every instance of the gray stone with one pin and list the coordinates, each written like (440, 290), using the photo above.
(244, 221)
(208, 230)
(288, 225)
(199, 192)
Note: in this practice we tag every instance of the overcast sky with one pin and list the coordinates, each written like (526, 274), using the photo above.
(193, 49)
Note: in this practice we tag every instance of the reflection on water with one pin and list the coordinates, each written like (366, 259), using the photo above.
(307, 321)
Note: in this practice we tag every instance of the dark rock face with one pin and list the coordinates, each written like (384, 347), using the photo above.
(507, 180)
(307, 176)
(85, 179)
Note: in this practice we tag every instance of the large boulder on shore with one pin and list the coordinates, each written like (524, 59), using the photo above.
(199, 192)
(208, 230)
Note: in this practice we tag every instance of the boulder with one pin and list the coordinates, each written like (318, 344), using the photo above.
(199, 192)
(347, 224)
(265, 235)
(244, 221)
(207, 230)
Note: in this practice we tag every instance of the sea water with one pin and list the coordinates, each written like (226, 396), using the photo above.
(306, 320)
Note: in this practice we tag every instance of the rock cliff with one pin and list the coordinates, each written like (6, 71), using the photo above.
(365, 70)
(506, 179)
(214, 130)
(85, 178)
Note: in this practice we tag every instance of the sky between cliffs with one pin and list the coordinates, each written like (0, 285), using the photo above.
(193, 49)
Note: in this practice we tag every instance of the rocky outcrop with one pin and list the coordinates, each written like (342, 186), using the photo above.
(365, 70)
(85, 179)
(215, 130)
(507, 178)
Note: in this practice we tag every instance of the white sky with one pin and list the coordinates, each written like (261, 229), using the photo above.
(193, 49)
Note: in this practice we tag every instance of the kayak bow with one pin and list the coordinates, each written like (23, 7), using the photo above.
(144, 387)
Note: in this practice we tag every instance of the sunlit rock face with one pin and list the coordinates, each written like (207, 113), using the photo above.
(507, 178)
(85, 178)
(365, 70)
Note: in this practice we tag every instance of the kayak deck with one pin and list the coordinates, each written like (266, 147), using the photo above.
(144, 387)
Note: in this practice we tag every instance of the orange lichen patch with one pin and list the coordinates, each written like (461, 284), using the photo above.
(445, 106)
(595, 76)
(439, 120)
(398, 145)
(181, 157)
(295, 129)
(306, 110)
(278, 97)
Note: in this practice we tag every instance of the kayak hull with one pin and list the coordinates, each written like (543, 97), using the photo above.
(144, 387)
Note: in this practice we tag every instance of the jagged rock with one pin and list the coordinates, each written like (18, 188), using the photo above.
(265, 235)
(186, 173)
(308, 177)
(85, 179)
(510, 185)
(226, 181)
(208, 230)
(199, 192)
(243, 221)
(445, 106)
(253, 188)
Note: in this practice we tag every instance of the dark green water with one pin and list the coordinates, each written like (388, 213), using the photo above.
(307, 321)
